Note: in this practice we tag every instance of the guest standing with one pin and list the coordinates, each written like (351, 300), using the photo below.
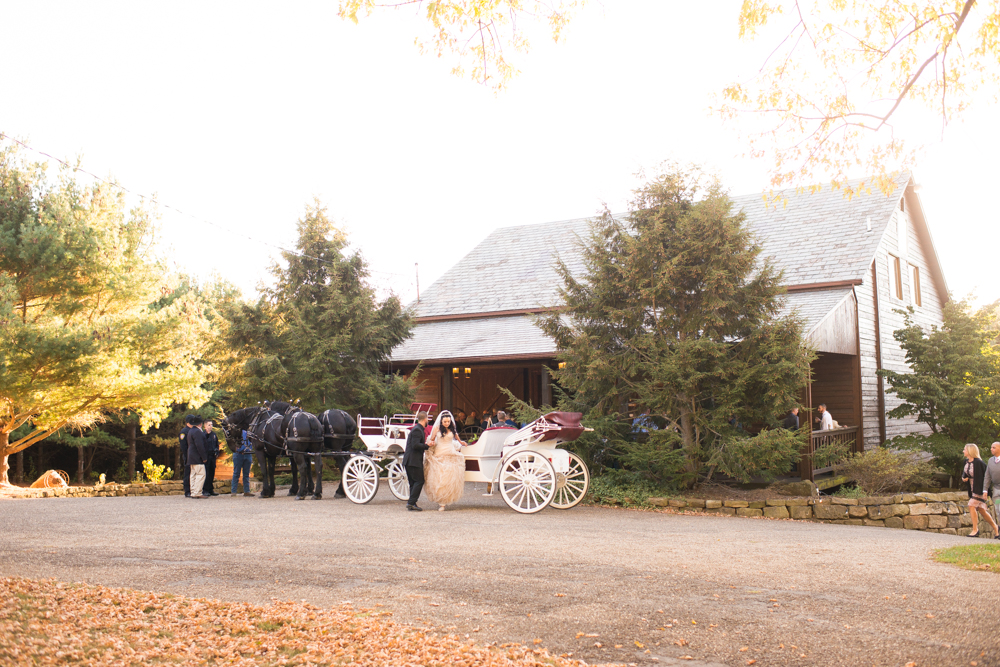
(242, 460)
(975, 474)
(197, 455)
(792, 420)
(183, 444)
(825, 419)
(992, 477)
(212, 449)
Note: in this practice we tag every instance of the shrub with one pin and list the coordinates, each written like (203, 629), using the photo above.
(155, 473)
(882, 471)
(622, 486)
(947, 453)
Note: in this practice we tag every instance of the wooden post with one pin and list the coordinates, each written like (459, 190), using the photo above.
(446, 382)
(130, 440)
(546, 387)
(80, 459)
(806, 462)
(878, 359)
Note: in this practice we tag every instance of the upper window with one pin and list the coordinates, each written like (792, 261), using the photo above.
(915, 285)
(895, 278)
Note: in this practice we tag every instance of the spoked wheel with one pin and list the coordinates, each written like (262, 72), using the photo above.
(572, 485)
(399, 483)
(360, 479)
(527, 482)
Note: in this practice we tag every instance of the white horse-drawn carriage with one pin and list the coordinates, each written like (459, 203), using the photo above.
(525, 465)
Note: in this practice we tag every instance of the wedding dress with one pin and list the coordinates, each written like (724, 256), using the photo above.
(444, 470)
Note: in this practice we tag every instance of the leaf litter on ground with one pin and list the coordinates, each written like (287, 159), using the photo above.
(51, 623)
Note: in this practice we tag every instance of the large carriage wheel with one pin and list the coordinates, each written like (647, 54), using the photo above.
(399, 483)
(360, 479)
(527, 482)
(572, 485)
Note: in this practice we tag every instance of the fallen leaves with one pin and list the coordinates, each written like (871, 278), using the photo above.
(49, 623)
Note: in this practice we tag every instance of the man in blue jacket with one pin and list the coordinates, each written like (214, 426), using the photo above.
(413, 460)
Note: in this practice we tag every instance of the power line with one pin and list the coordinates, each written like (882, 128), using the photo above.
(156, 201)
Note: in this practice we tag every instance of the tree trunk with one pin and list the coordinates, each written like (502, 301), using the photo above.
(19, 471)
(79, 466)
(39, 459)
(130, 439)
(688, 440)
(4, 453)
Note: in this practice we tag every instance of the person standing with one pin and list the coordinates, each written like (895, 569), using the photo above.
(242, 460)
(792, 420)
(197, 455)
(183, 444)
(212, 449)
(825, 419)
(975, 474)
(413, 460)
(992, 477)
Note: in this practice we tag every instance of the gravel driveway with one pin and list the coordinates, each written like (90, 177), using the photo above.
(605, 585)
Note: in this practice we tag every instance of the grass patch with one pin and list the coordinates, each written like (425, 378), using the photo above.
(850, 492)
(984, 557)
(268, 626)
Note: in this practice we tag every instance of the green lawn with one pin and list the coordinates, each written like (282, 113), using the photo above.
(972, 557)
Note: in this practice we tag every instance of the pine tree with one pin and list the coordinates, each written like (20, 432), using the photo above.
(78, 339)
(319, 333)
(677, 315)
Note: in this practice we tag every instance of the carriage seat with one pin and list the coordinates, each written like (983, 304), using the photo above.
(493, 439)
(569, 425)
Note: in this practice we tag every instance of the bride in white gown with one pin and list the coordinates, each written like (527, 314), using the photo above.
(444, 465)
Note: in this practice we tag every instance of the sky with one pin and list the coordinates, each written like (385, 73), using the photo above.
(240, 115)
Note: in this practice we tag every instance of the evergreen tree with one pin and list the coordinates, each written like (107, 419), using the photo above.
(319, 333)
(78, 339)
(954, 381)
(678, 315)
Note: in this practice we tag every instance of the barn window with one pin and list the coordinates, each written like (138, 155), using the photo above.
(895, 278)
(915, 285)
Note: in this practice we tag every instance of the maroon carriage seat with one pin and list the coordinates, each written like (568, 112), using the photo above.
(569, 423)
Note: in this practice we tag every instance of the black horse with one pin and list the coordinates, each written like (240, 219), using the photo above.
(252, 420)
(298, 435)
(339, 431)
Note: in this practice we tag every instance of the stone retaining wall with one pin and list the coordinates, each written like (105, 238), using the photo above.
(173, 488)
(931, 512)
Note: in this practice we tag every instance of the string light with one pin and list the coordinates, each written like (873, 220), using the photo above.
(156, 201)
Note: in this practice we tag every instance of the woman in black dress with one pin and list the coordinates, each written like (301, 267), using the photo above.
(974, 473)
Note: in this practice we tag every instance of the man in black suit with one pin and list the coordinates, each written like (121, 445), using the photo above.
(413, 460)
(792, 420)
(197, 455)
(212, 449)
(183, 443)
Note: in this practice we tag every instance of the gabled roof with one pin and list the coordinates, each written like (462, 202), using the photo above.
(819, 237)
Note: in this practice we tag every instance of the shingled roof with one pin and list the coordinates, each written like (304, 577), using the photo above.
(815, 238)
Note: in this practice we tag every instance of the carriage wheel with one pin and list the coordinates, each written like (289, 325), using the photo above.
(399, 484)
(360, 479)
(572, 485)
(527, 482)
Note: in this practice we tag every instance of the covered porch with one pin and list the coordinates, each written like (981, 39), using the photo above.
(835, 376)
